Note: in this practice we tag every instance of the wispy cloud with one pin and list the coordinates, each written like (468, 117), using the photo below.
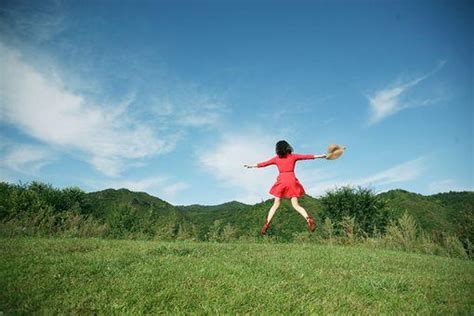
(142, 185)
(407, 171)
(403, 172)
(49, 112)
(189, 107)
(386, 102)
(26, 159)
(172, 189)
(194, 118)
(447, 185)
(38, 23)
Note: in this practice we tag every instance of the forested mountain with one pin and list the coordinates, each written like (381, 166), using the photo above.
(449, 212)
(443, 212)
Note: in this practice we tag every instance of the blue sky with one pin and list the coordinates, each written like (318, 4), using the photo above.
(173, 97)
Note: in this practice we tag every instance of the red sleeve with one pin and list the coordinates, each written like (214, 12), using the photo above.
(266, 163)
(303, 157)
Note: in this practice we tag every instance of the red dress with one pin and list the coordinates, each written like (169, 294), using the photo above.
(287, 185)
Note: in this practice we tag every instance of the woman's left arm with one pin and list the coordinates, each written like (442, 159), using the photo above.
(320, 156)
(304, 157)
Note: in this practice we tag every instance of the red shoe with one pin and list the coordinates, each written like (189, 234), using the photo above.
(265, 227)
(310, 222)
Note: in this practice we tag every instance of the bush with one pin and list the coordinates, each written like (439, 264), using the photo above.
(121, 221)
(166, 231)
(402, 234)
(215, 231)
(186, 232)
(454, 247)
(362, 204)
(229, 233)
(347, 227)
(328, 229)
(222, 233)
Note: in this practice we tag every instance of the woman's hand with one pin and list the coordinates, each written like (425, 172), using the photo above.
(320, 156)
(250, 166)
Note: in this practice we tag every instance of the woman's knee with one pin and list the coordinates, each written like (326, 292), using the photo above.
(276, 202)
(294, 202)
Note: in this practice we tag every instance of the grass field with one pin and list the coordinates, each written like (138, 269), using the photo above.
(93, 275)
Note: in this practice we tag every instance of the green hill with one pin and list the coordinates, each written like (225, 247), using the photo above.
(106, 200)
(248, 219)
(444, 212)
(450, 212)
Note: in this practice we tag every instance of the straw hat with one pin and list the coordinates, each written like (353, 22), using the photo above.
(335, 151)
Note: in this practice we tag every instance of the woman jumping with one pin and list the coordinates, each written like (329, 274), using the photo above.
(287, 185)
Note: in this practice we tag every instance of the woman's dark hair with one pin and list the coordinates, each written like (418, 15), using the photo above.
(282, 148)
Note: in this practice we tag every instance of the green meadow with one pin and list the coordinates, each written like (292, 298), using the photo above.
(90, 275)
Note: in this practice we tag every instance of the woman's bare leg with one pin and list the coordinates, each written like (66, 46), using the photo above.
(298, 208)
(273, 209)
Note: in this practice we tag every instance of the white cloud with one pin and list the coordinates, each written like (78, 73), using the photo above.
(198, 119)
(386, 102)
(161, 108)
(226, 162)
(47, 111)
(403, 172)
(172, 189)
(187, 106)
(447, 185)
(142, 185)
(27, 159)
(406, 171)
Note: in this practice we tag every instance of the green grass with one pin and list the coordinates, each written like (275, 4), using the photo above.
(93, 275)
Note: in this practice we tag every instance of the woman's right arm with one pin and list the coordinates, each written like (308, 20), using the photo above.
(270, 161)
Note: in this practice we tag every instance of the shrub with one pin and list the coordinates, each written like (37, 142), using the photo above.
(215, 231)
(121, 220)
(328, 229)
(402, 234)
(186, 232)
(222, 233)
(166, 231)
(454, 247)
(362, 204)
(229, 233)
(347, 226)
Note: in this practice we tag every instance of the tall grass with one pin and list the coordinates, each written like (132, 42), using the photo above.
(405, 234)
(402, 234)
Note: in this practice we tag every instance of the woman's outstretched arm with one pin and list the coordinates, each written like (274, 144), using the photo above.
(270, 161)
(320, 156)
(304, 157)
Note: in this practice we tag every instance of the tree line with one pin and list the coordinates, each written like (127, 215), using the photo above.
(345, 215)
